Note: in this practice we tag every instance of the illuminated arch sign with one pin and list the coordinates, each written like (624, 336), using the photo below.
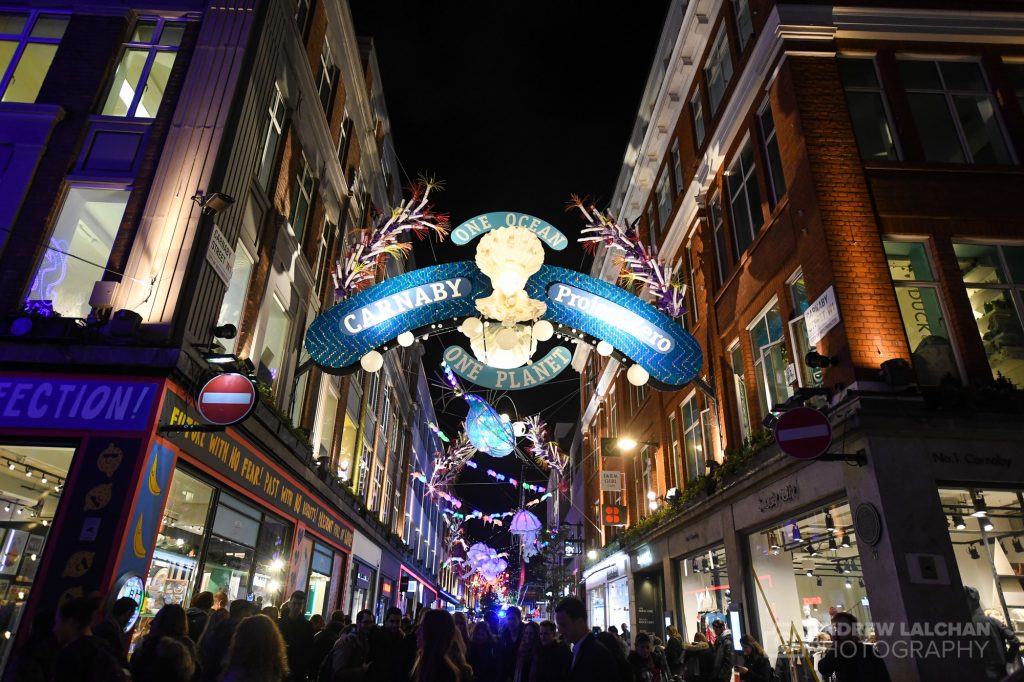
(474, 227)
(528, 376)
(375, 316)
(634, 327)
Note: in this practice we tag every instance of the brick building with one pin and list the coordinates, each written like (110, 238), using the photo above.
(835, 180)
(169, 176)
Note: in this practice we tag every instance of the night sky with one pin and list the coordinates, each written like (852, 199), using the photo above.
(515, 106)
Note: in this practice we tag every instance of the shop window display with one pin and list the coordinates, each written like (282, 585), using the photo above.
(595, 599)
(986, 528)
(804, 570)
(618, 602)
(322, 564)
(704, 588)
(31, 481)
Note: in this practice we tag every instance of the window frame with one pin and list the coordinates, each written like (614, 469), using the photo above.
(719, 56)
(697, 117)
(740, 389)
(738, 12)
(719, 236)
(327, 74)
(153, 48)
(664, 200)
(277, 113)
(770, 141)
(698, 468)
(676, 162)
(303, 187)
(880, 91)
(747, 176)
(759, 355)
(24, 39)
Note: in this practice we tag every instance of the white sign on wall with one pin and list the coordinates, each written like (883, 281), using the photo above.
(220, 255)
(821, 316)
(611, 481)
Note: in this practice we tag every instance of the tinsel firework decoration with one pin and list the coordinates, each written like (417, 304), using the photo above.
(637, 263)
(358, 268)
(540, 447)
(447, 466)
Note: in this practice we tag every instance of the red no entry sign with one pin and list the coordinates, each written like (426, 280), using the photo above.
(803, 433)
(227, 399)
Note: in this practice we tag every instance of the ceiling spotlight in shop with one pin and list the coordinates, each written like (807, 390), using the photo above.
(1016, 545)
(818, 581)
(810, 572)
(830, 524)
(796, 532)
(973, 551)
(985, 524)
(848, 584)
(832, 543)
(958, 522)
(696, 566)
(860, 581)
(846, 543)
(812, 550)
(980, 506)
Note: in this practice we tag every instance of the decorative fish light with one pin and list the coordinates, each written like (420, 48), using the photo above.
(486, 430)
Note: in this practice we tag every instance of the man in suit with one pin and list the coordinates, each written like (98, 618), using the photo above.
(591, 661)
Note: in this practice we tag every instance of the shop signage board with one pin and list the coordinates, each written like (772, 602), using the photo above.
(250, 470)
(220, 255)
(803, 433)
(474, 227)
(821, 316)
(611, 481)
(613, 514)
(534, 374)
(147, 513)
(227, 399)
(94, 404)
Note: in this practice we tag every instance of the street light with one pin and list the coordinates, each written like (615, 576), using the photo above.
(614, 447)
(625, 444)
(592, 554)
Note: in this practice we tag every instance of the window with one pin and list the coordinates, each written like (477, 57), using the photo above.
(677, 165)
(326, 77)
(76, 255)
(744, 25)
(303, 14)
(994, 276)
(769, 349)
(864, 97)
(646, 479)
(1015, 71)
(653, 228)
(664, 198)
(235, 297)
(693, 439)
(673, 435)
(323, 258)
(697, 112)
(692, 270)
(739, 385)
(954, 112)
(28, 42)
(145, 67)
(344, 136)
(744, 200)
(272, 140)
(808, 376)
(375, 485)
(613, 411)
(302, 198)
(328, 420)
(924, 319)
(275, 338)
(776, 179)
(718, 70)
(718, 227)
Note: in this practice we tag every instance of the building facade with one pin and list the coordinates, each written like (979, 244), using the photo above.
(177, 184)
(833, 185)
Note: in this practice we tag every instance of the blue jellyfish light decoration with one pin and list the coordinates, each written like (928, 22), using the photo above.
(486, 430)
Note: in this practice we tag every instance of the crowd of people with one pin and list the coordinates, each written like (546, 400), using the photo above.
(217, 641)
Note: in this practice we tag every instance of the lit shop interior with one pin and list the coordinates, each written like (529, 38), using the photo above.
(31, 481)
(805, 568)
(986, 528)
(704, 582)
(609, 604)
(210, 540)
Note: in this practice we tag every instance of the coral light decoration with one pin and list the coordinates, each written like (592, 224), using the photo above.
(486, 430)
(486, 560)
(540, 447)
(358, 269)
(447, 465)
(638, 263)
(526, 526)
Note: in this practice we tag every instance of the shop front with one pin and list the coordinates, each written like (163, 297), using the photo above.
(366, 559)
(608, 592)
(232, 521)
(387, 594)
(704, 591)
(71, 455)
(417, 592)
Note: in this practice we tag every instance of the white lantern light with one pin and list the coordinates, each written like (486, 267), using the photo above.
(372, 361)
(637, 375)
(472, 326)
(604, 348)
(507, 339)
(406, 339)
(508, 256)
(519, 429)
(543, 330)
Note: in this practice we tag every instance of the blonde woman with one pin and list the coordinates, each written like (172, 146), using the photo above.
(257, 653)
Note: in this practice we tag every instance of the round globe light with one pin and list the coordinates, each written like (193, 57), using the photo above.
(604, 348)
(472, 326)
(637, 375)
(406, 339)
(543, 330)
(372, 361)
(507, 339)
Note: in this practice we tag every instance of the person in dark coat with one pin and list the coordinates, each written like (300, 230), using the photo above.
(35, 661)
(298, 636)
(82, 655)
(111, 630)
(440, 659)
(508, 642)
(552, 661)
(482, 654)
(850, 659)
(166, 653)
(199, 614)
(644, 667)
(756, 666)
(613, 643)
(591, 660)
(213, 646)
(385, 666)
(674, 651)
(722, 671)
(698, 659)
(349, 658)
(324, 640)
